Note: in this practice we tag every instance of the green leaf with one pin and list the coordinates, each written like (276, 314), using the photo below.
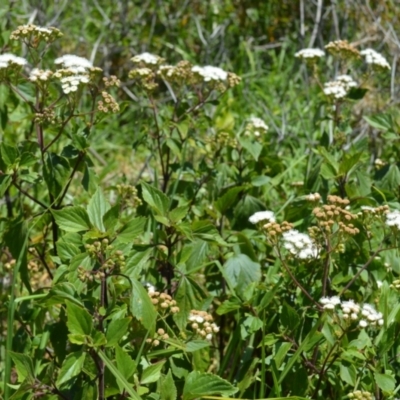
(131, 230)
(289, 317)
(227, 200)
(228, 306)
(156, 199)
(385, 382)
(97, 208)
(178, 214)
(382, 122)
(117, 374)
(356, 93)
(253, 147)
(116, 330)
(79, 320)
(200, 384)
(348, 373)
(23, 366)
(152, 373)
(241, 271)
(71, 367)
(5, 181)
(126, 366)
(9, 154)
(72, 219)
(168, 388)
(141, 305)
(195, 345)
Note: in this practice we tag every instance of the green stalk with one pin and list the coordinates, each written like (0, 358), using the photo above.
(10, 320)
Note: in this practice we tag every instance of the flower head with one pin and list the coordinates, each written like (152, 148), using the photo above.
(375, 59)
(393, 219)
(210, 73)
(310, 54)
(9, 60)
(262, 216)
(146, 58)
(329, 303)
(257, 126)
(300, 245)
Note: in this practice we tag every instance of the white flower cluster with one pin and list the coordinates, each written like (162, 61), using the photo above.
(146, 58)
(393, 219)
(210, 73)
(339, 88)
(257, 126)
(76, 71)
(9, 60)
(202, 323)
(365, 314)
(260, 216)
(40, 75)
(167, 70)
(300, 245)
(374, 58)
(309, 54)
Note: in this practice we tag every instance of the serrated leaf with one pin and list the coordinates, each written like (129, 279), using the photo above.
(168, 388)
(24, 366)
(97, 208)
(79, 320)
(227, 199)
(72, 219)
(200, 384)
(116, 330)
(131, 230)
(152, 373)
(71, 367)
(156, 199)
(141, 305)
(126, 366)
(385, 382)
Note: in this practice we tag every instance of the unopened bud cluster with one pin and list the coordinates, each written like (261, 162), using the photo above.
(9, 265)
(163, 302)
(47, 116)
(313, 197)
(381, 210)
(108, 104)
(360, 395)
(202, 324)
(343, 49)
(129, 195)
(32, 34)
(111, 81)
(89, 275)
(275, 229)
(160, 335)
(395, 285)
(335, 213)
(114, 262)
(224, 139)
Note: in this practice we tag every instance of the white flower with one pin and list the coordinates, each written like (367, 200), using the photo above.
(379, 284)
(347, 81)
(210, 73)
(310, 53)
(146, 58)
(313, 197)
(150, 288)
(363, 324)
(371, 315)
(368, 209)
(209, 336)
(8, 59)
(39, 74)
(374, 58)
(257, 125)
(329, 303)
(350, 307)
(300, 245)
(262, 216)
(70, 60)
(393, 219)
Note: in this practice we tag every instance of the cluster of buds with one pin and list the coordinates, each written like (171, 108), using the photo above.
(381, 210)
(129, 195)
(313, 197)
(179, 73)
(111, 81)
(335, 213)
(223, 139)
(115, 260)
(160, 335)
(162, 301)
(144, 77)
(90, 275)
(32, 34)
(275, 229)
(395, 284)
(360, 395)
(47, 116)
(379, 164)
(342, 49)
(9, 265)
(108, 104)
(202, 324)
